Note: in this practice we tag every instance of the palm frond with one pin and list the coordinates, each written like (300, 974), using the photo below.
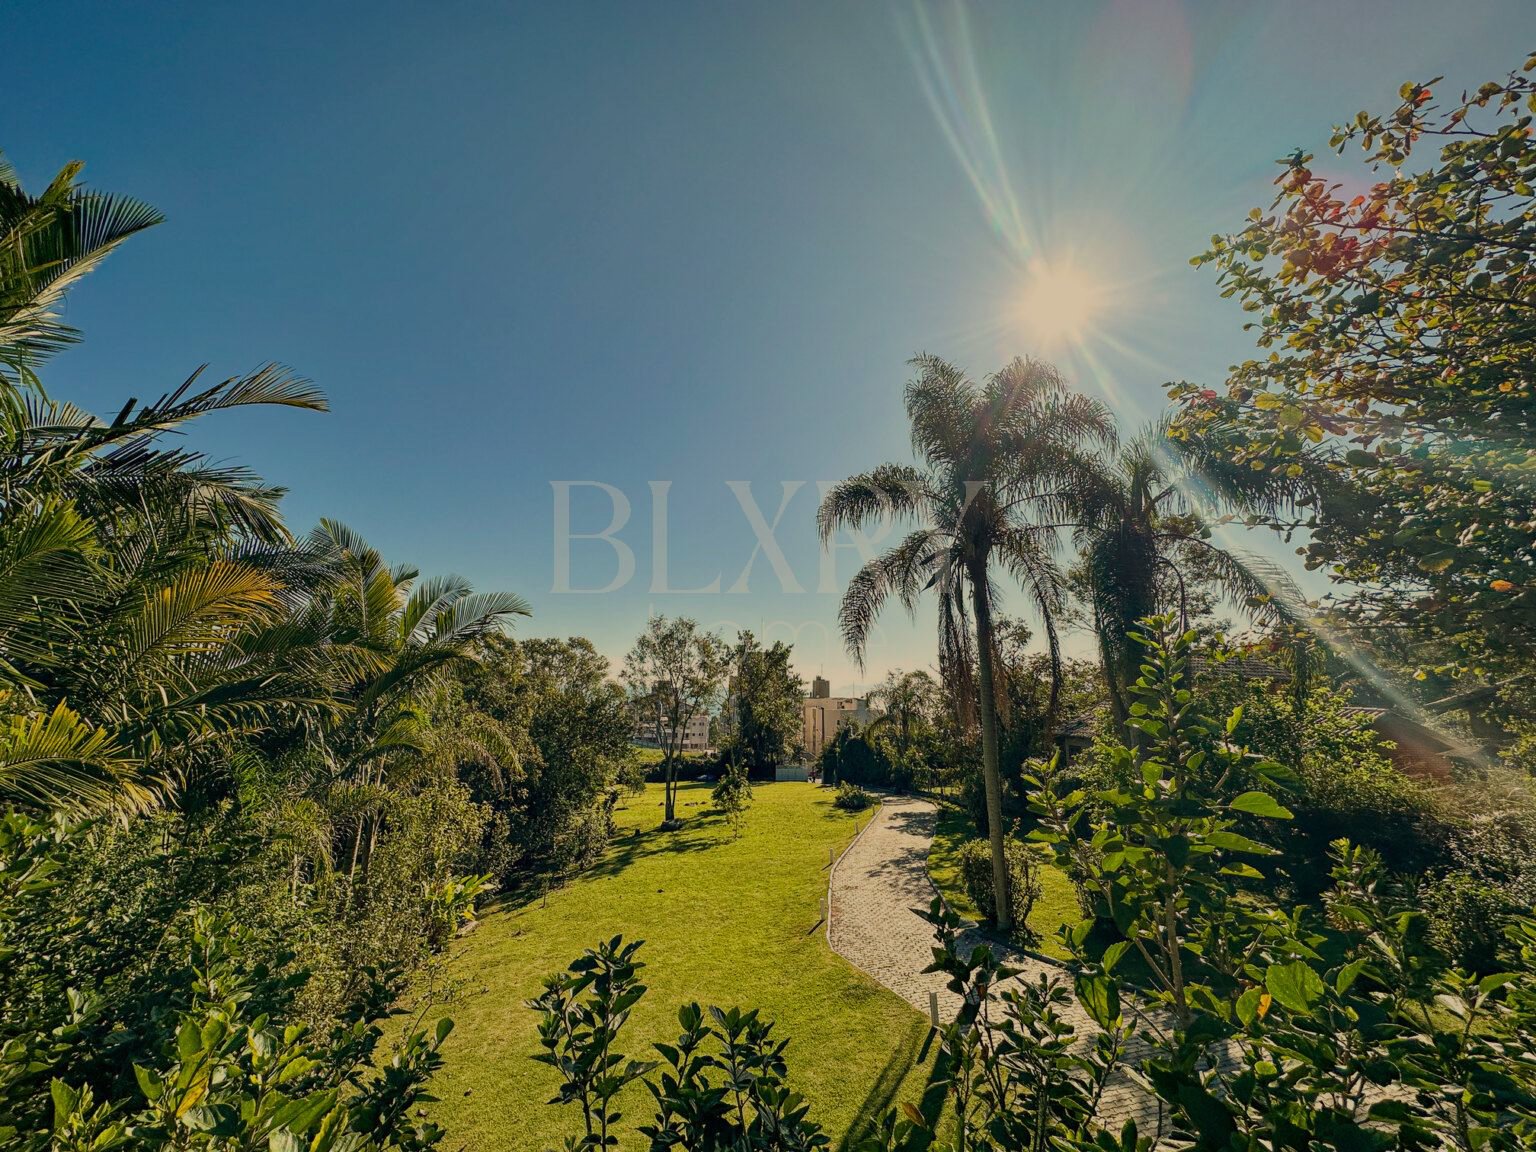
(904, 572)
(891, 491)
(55, 760)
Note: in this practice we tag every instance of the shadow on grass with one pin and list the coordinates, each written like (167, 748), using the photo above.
(625, 849)
(910, 1052)
(882, 1093)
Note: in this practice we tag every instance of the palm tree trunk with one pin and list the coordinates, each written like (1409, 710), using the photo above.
(990, 774)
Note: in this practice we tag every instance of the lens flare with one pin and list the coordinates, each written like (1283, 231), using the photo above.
(1060, 304)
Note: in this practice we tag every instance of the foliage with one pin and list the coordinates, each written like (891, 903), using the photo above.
(852, 798)
(675, 671)
(1144, 536)
(581, 1012)
(544, 737)
(732, 794)
(1283, 1030)
(763, 710)
(1392, 311)
(1466, 917)
(735, 1096)
(1056, 908)
(910, 704)
(1018, 1078)
(1024, 886)
(996, 462)
(51, 241)
(1036, 708)
(1344, 784)
(204, 723)
(204, 1052)
(854, 758)
(1164, 860)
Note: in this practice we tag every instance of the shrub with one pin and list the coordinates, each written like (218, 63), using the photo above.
(852, 798)
(849, 757)
(582, 841)
(1023, 881)
(1467, 917)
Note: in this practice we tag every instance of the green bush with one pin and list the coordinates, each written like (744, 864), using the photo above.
(850, 758)
(1023, 881)
(1467, 917)
(852, 798)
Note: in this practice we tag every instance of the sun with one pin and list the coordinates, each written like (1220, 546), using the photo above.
(1060, 303)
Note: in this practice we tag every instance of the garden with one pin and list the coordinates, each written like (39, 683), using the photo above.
(304, 849)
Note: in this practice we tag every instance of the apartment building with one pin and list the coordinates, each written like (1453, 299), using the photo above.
(825, 713)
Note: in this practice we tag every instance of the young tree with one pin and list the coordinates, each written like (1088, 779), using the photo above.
(996, 462)
(733, 795)
(674, 673)
(765, 709)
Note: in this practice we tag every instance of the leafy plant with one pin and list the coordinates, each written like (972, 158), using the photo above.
(852, 798)
(581, 1012)
(1024, 887)
(732, 795)
(722, 1084)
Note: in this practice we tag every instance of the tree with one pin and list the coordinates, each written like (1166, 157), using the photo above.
(908, 703)
(569, 726)
(1394, 316)
(1146, 542)
(732, 794)
(674, 673)
(765, 707)
(49, 242)
(999, 463)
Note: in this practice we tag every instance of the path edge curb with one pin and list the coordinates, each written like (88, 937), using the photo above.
(832, 872)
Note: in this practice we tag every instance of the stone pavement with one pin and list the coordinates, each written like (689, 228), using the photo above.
(875, 887)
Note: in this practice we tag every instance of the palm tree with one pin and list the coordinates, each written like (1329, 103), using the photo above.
(906, 701)
(1145, 537)
(47, 243)
(388, 636)
(133, 580)
(1000, 464)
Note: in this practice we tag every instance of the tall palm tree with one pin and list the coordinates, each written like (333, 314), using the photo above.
(1000, 463)
(1145, 535)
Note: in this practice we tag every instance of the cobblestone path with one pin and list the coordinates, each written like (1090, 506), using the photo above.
(875, 887)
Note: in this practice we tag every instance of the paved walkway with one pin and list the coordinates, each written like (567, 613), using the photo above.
(876, 886)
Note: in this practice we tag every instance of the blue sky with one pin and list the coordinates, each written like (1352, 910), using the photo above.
(686, 242)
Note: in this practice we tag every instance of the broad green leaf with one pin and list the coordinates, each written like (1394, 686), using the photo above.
(1294, 986)
(1260, 804)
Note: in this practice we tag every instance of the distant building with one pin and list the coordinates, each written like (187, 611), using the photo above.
(824, 714)
(649, 733)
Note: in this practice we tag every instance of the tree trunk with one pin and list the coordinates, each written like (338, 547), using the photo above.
(990, 774)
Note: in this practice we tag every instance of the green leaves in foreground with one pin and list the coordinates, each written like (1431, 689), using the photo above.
(1260, 804)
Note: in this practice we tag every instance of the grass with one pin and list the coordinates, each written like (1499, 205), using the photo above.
(1056, 907)
(725, 921)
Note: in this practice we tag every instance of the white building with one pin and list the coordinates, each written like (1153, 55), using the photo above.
(651, 733)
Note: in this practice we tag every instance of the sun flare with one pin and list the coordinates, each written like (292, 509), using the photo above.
(1060, 303)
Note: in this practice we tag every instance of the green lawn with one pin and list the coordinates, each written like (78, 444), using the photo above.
(725, 921)
(1056, 907)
